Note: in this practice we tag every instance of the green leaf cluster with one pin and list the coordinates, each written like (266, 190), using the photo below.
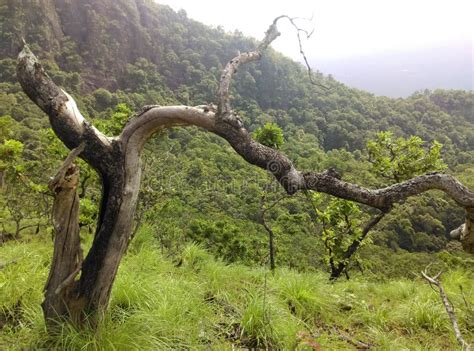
(341, 222)
(399, 159)
(270, 135)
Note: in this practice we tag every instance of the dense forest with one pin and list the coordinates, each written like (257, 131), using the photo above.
(206, 211)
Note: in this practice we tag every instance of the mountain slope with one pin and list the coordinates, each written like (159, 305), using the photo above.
(137, 45)
(138, 53)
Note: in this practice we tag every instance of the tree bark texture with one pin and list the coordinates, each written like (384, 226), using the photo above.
(59, 302)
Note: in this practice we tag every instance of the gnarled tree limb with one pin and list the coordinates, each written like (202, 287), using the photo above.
(65, 118)
(228, 125)
(118, 162)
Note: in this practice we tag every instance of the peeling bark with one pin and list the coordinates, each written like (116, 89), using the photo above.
(67, 255)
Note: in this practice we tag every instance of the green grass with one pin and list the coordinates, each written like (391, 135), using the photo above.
(195, 302)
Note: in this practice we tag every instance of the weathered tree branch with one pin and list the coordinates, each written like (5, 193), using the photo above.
(117, 160)
(61, 173)
(351, 340)
(449, 308)
(65, 118)
(308, 35)
(224, 109)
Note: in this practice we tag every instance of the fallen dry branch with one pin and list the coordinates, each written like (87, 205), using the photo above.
(447, 305)
(349, 339)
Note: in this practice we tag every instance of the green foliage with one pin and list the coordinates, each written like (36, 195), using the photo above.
(88, 212)
(15, 186)
(302, 296)
(114, 125)
(195, 189)
(401, 159)
(270, 135)
(7, 127)
(10, 152)
(396, 160)
(223, 237)
(341, 222)
(116, 62)
(103, 98)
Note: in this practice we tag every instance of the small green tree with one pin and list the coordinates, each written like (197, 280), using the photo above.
(395, 160)
(270, 135)
(10, 153)
(19, 195)
(341, 222)
(401, 159)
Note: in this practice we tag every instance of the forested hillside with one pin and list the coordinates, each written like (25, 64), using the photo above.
(116, 56)
(159, 55)
(138, 53)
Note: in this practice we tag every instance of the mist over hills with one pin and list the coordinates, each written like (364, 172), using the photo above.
(400, 74)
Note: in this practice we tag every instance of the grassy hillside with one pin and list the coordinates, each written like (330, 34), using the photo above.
(192, 301)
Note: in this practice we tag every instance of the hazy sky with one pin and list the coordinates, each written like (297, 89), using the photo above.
(343, 28)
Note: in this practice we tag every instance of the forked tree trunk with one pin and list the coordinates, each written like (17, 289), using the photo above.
(120, 193)
(84, 300)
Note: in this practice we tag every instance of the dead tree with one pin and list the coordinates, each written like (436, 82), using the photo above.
(67, 254)
(117, 160)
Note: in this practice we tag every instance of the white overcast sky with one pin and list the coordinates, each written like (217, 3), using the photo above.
(344, 28)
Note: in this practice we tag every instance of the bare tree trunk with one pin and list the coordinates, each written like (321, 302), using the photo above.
(271, 236)
(17, 229)
(60, 294)
(120, 191)
(87, 298)
(271, 247)
(336, 270)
